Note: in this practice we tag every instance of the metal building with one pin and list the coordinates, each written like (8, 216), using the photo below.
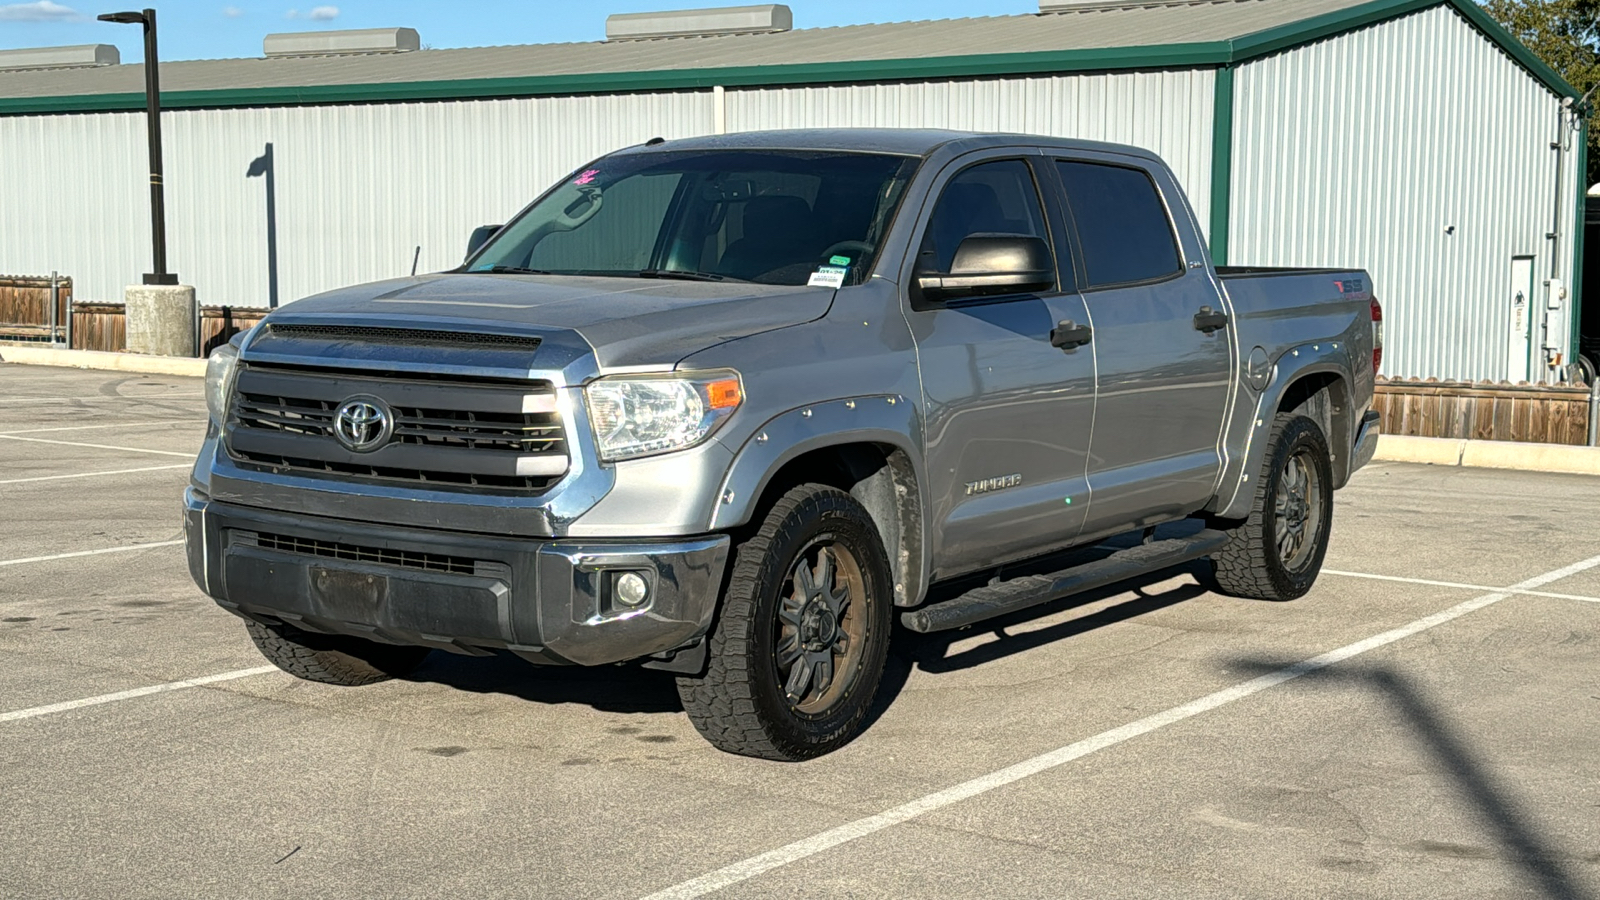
(1413, 137)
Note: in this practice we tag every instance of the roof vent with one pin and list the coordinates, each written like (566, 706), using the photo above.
(82, 56)
(769, 18)
(342, 43)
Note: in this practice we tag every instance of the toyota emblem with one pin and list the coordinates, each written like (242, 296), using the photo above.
(363, 424)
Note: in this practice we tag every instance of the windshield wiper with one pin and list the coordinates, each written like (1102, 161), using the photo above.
(512, 270)
(680, 275)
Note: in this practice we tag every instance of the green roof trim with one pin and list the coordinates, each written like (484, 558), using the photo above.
(1219, 54)
(1170, 56)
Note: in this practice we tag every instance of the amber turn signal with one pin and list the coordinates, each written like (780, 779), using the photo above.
(724, 394)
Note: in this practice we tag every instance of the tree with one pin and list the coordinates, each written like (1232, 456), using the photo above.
(1566, 35)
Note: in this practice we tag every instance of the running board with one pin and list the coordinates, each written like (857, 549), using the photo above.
(1020, 593)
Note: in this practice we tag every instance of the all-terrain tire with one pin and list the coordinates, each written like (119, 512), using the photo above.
(333, 659)
(1252, 564)
(741, 703)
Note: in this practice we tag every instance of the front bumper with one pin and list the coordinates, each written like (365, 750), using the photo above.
(1366, 441)
(546, 600)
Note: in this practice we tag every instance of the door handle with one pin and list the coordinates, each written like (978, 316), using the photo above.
(1209, 320)
(1069, 335)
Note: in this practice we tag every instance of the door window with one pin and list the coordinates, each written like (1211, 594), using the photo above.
(1122, 224)
(988, 198)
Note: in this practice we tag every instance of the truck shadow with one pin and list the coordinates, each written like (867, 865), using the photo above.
(617, 689)
(931, 653)
(1544, 870)
(629, 689)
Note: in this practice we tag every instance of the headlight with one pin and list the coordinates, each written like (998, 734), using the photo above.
(220, 367)
(638, 416)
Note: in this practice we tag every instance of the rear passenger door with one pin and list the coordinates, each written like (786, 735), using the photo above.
(1162, 383)
(1007, 414)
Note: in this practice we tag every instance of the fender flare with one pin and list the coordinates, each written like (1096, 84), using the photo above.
(885, 419)
(1237, 486)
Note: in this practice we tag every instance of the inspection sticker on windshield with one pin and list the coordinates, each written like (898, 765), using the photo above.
(829, 277)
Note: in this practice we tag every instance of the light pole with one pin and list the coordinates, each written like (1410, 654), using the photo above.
(152, 96)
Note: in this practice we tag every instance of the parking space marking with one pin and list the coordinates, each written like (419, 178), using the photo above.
(14, 437)
(74, 555)
(1457, 584)
(35, 399)
(93, 474)
(146, 424)
(36, 711)
(747, 869)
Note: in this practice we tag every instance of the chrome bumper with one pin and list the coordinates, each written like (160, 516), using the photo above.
(546, 600)
(1366, 441)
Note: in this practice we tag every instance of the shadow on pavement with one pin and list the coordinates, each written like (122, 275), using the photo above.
(619, 689)
(1541, 866)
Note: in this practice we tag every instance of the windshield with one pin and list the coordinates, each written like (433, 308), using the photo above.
(767, 216)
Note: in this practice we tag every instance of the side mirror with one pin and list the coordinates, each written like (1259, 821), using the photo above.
(988, 265)
(480, 236)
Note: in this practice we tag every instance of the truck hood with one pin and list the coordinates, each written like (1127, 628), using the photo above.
(628, 321)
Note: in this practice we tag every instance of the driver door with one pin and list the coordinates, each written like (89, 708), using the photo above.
(1007, 414)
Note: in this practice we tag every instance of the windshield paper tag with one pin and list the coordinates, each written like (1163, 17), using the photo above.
(828, 277)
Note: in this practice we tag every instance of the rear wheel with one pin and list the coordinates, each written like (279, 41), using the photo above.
(801, 641)
(333, 659)
(1276, 553)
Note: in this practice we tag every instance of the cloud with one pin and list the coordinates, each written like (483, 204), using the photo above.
(42, 11)
(232, 12)
(292, 14)
(324, 13)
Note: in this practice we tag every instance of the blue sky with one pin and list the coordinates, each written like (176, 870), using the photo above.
(209, 29)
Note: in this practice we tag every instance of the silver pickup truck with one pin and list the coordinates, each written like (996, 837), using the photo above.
(726, 406)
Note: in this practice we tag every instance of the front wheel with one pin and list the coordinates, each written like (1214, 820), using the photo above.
(1276, 553)
(803, 635)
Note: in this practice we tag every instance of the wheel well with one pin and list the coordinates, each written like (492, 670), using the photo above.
(882, 479)
(1324, 397)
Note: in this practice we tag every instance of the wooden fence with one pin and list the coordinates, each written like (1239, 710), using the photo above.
(100, 326)
(25, 316)
(25, 307)
(1486, 410)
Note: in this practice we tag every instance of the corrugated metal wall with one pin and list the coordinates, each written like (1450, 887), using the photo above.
(1365, 149)
(1169, 112)
(358, 187)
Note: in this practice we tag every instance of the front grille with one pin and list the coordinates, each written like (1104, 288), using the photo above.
(451, 435)
(407, 336)
(406, 559)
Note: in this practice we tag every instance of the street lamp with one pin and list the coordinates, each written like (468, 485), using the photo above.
(152, 96)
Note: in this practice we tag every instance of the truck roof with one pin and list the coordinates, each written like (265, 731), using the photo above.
(901, 141)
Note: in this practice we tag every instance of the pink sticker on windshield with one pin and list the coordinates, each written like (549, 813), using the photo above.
(587, 177)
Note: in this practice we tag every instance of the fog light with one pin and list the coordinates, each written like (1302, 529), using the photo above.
(630, 590)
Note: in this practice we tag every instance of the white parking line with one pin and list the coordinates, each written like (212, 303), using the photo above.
(34, 399)
(92, 474)
(1457, 584)
(13, 437)
(36, 711)
(746, 869)
(107, 425)
(127, 549)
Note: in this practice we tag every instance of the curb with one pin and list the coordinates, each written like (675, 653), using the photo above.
(1560, 458)
(98, 359)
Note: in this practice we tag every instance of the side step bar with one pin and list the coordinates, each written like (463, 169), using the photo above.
(1004, 597)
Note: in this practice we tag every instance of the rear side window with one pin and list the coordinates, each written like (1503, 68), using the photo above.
(1122, 224)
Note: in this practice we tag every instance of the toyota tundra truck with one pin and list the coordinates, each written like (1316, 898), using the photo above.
(733, 407)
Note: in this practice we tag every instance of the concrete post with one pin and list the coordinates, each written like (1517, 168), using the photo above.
(160, 319)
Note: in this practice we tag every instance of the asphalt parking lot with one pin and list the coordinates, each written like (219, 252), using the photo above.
(1412, 728)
